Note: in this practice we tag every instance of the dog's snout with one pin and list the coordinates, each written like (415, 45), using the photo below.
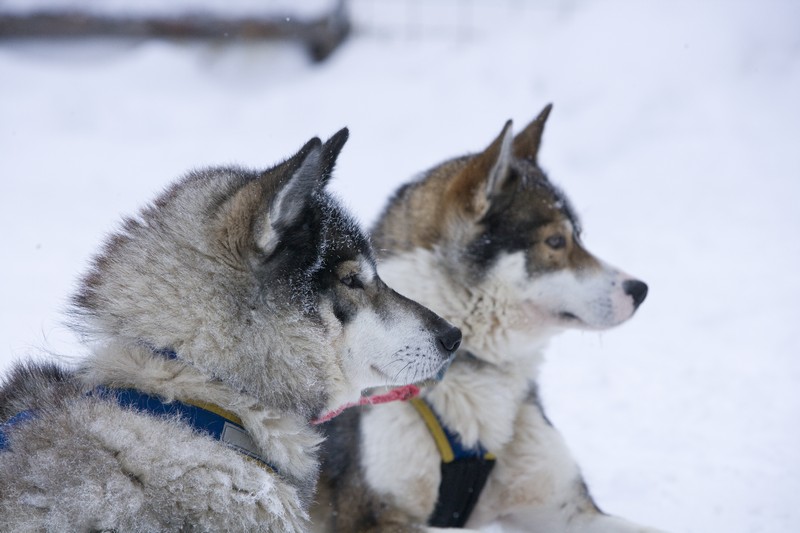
(450, 339)
(636, 290)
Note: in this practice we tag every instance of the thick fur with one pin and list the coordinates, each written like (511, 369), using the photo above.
(267, 291)
(490, 243)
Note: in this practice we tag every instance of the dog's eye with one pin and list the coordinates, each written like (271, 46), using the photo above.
(352, 281)
(556, 242)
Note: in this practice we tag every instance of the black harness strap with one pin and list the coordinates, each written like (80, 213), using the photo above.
(464, 472)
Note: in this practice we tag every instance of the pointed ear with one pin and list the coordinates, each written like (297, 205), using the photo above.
(292, 195)
(330, 151)
(294, 162)
(484, 176)
(526, 144)
(500, 152)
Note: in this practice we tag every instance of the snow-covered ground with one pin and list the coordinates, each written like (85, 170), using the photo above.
(676, 131)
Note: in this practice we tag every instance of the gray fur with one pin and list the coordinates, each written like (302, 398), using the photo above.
(250, 277)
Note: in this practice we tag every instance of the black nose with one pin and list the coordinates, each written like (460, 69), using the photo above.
(450, 339)
(636, 289)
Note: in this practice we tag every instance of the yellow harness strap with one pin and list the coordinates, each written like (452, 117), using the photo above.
(438, 434)
(464, 471)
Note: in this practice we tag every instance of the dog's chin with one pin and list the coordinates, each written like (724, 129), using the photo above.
(432, 378)
(572, 321)
(436, 378)
(540, 317)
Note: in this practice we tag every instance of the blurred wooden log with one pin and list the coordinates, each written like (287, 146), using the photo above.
(321, 36)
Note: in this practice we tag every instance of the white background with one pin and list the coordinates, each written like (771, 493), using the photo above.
(676, 131)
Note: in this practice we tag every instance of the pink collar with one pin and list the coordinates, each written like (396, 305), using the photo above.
(399, 394)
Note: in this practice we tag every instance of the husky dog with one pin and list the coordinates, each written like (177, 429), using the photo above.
(487, 241)
(235, 309)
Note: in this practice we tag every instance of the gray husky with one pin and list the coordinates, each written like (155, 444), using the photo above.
(487, 241)
(235, 309)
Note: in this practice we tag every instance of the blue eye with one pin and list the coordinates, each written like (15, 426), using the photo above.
(556, 242)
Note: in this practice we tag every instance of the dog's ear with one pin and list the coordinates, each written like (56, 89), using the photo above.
(293, 193)
(526, 144)
(330, 151)
(499, 152)
(485, 175)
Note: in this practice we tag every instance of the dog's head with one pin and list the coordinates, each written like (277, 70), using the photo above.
(507, 245)
(262, 280)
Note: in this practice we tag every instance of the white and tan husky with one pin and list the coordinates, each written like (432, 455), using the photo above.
(488, 242)
(236, 308)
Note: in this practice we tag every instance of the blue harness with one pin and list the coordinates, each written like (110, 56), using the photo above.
(210, 419)
(216, 422)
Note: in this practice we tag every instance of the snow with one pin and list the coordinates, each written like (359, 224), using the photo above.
(674, 131)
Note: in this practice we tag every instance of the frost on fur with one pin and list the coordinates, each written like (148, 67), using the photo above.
(245, 292)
